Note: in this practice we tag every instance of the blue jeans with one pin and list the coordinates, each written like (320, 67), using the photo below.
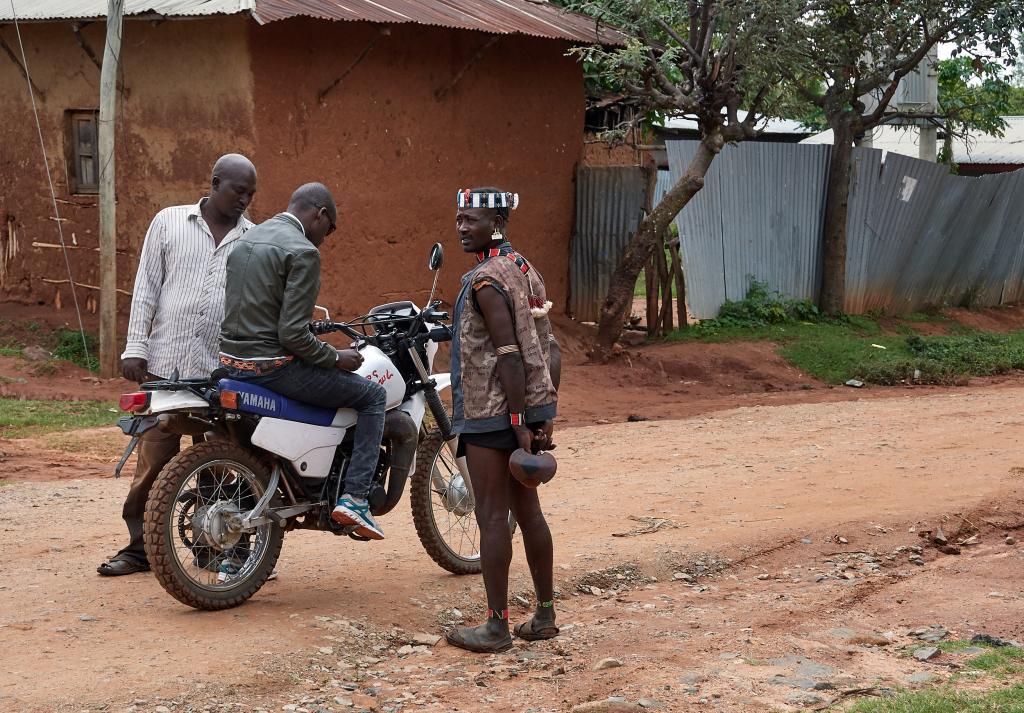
(334, 388)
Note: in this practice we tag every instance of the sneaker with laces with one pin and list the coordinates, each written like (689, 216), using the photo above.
(351, 512)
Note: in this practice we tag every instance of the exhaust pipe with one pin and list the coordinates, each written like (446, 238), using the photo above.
(401, 431)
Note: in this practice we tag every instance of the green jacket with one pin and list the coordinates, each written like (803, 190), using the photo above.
(273, 278)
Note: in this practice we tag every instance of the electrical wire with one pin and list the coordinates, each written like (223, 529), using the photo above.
(49, 178)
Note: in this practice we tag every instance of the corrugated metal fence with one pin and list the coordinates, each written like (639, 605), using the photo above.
(916, 235)
(610, 204)
(758, 216)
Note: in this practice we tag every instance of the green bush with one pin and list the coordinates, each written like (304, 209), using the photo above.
(69, 348)
(760, 308)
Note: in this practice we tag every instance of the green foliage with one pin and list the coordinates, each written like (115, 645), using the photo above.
(846, 50)
(70, 348)
(25, 419)
(851, 347)
(705, 64)
(761, 307)
(1008, 700)
(974, 96)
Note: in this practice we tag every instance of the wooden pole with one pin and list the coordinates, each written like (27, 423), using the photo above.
(109, 344)
(652, 290)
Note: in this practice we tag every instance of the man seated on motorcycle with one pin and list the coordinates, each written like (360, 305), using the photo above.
(273, 278)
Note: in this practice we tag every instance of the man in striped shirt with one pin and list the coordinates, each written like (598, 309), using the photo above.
(177, 308)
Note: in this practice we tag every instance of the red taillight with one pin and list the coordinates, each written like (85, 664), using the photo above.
(139, 401)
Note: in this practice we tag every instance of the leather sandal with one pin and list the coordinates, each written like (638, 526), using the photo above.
(529, 630)
(475, 638)
(118, 568)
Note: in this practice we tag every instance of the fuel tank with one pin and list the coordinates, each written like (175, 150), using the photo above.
(379, 369)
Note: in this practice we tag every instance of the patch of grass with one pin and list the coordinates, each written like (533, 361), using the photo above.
(837, 349)
(1000, 662)
(10, 347)
(70, 348)
(26, 419)
(1008, 700)
(951, 647)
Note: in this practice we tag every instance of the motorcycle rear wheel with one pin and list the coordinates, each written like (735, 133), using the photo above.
(195, 497)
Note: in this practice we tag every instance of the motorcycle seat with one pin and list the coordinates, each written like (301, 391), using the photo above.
(262, 401)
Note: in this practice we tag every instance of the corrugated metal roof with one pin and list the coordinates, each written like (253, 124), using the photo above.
(768, 125)
(529, 17)
(90, 9)
(982, 148)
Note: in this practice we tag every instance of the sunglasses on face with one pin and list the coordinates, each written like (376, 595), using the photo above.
(333, 225)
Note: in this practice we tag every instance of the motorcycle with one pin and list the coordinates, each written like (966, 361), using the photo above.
(217, 514)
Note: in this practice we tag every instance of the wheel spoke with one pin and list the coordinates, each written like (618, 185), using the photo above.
(457, 532)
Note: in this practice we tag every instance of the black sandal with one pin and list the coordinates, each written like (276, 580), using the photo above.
(119, 568)
(472, 639)
(528, 631)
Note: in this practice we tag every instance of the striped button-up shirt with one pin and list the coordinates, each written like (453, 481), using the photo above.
(178, 302)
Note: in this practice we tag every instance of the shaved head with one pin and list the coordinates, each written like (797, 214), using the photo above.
(313, 205)
(313, 195)
(234, 166)
(232, 186)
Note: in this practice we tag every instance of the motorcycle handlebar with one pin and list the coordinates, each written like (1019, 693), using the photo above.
(437, 334)
(440, 334)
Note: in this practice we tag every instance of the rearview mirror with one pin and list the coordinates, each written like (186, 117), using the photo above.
(436, 258)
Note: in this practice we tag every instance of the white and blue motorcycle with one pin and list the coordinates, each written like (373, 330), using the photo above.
(217, 514)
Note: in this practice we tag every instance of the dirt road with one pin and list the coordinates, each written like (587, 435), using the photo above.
(776, 580)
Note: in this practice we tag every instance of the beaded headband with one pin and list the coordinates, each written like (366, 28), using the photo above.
(489, 199)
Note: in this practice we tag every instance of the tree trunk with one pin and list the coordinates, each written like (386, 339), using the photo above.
(833, 248)
(617, 303)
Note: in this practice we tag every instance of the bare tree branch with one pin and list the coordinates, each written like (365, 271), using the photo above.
(678, 38)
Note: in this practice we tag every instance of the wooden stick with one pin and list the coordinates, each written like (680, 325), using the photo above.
(81, 284)
(652, 289)
(57, 246)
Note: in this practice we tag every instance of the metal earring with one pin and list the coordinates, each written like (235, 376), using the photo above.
(496, 235)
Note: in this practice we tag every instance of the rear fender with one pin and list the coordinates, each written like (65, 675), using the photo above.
(163, 401)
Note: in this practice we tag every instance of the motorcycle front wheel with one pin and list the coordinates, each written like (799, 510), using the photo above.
(193, 536)
(443, 509)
